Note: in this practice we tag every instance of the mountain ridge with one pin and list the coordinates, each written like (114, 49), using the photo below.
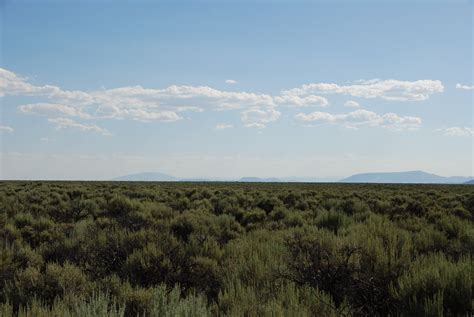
(406, 177)
(147, 177)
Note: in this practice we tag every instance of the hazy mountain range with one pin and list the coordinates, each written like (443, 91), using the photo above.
(147, 177)
(405, 177)
(160, 177)
(411, 177)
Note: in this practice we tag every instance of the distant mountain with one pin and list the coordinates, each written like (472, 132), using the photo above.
(397, 177)
(289, 179)
(297, 179)
(471, 182)
(147, 177)
(193, 180)
(259, 180)
(457, 179)
(413, 177)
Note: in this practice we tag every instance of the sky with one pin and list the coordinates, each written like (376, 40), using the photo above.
(227, 89)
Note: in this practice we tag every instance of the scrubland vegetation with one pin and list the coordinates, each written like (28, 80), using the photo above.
(233, 249)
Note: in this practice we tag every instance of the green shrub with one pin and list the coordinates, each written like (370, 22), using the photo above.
(232, 249)
(436, 286)
(331, 220)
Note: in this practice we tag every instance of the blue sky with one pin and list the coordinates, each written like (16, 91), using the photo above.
(235, 88)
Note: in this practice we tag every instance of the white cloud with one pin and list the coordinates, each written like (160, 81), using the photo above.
(465, 87)
(51, 109)
(168, 104)
(189, 108)
(5, 128)
(458, 131)
(147, 116)
(12, 84)
(352, 104)
(62, 123)
(255, 125)
(102, 112)
(298, 101)
(390, 89)
(223, 126)
(133, 102)
(258, 118)
(393, 121)
(361, 117)
(231, 81)
(143, 104)
(44, 140)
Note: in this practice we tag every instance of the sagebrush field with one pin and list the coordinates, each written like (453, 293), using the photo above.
(235, 249)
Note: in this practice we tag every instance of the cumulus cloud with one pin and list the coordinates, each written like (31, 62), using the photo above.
(63, 123)
(51, 109)
(352, 104)
(12, 84)
(458, 131)
(255, 125)
(231, 81)
(139, 103)
(361, 117)
(223, 126)
(5, 128)
(258, 118)
(391, 89)
(168, 104)
(298, 101)
(133, 102)
(464, 87)
(393, 121)
(189, 108)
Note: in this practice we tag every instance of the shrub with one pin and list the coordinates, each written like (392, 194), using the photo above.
(231, 249)
(436, 286)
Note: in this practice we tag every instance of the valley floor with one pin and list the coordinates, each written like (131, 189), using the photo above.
(235, 249)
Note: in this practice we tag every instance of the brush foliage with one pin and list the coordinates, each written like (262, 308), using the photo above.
(230, 249)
